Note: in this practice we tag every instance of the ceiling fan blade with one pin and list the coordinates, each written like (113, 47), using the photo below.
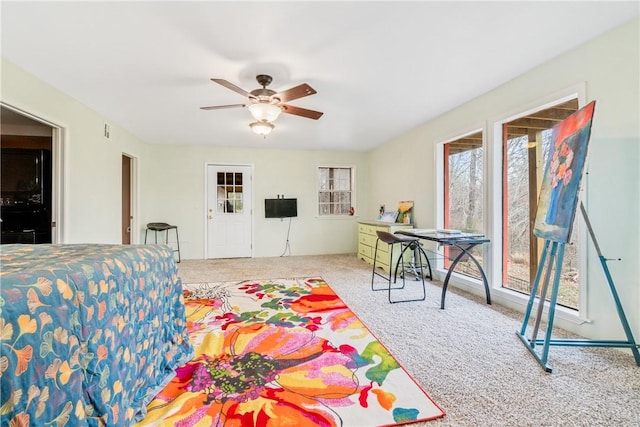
(231, 86)
(310, 114)
(297, 92)
(220, 107)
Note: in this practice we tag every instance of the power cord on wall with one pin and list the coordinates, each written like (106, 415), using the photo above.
(287, 245)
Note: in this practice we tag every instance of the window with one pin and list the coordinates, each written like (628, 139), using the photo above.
(335, 190)
(463, 195)
(525, 150)
(512, 179)
(229, 192)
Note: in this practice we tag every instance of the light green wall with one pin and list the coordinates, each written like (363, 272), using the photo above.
(171, 180)
(173, 186)
(92, 164)
(608, 67)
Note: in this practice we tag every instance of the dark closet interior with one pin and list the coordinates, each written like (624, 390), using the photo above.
(25, 193)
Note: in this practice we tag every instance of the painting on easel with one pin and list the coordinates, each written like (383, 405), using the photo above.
(561, 181)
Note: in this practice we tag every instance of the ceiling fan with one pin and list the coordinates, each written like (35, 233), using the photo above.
(265, 105)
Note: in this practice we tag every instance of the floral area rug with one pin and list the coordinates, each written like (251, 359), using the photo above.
(284, 352)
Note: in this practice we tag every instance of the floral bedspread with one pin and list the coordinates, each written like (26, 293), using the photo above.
(90, 333)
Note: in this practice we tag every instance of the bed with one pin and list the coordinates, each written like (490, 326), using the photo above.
(90, 333)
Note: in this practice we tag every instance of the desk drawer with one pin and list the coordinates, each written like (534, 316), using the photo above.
(367, 239)
(382, 257)
(382, 247)
(365, 251)
(382, 263)
(367, 229)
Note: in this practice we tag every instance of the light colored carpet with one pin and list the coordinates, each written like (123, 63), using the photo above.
(467, 357)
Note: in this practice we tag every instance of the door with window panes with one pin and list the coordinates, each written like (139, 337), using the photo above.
(228, 211)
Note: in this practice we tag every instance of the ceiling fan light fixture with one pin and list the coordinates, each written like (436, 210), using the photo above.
(262, 128)
(264, 111)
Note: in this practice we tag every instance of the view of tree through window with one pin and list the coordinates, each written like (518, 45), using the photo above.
(525, 151)
(334, 191)
(463, 194)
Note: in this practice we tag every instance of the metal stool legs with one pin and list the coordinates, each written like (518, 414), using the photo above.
(177, 242)
(405, 244)
(418, 252)
(163, 226)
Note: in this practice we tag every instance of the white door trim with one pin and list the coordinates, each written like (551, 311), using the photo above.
(134, 196)
(57, 171)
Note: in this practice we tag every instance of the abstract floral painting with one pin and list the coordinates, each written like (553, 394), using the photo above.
(563, 175)
(285, 352)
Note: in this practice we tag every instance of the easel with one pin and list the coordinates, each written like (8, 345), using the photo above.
(556, 251)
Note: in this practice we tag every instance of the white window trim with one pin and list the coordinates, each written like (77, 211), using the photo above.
(492, 158)
(493, 155)
(353, 191)
(460, 279)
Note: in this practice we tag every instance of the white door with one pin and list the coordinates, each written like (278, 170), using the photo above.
(228, 211)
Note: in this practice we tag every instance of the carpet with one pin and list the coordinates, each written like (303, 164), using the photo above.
(285, 352)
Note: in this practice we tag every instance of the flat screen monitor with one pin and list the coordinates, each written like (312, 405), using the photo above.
(280, 208)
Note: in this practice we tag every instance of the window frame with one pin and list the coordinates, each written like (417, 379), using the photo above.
(491, 128)
(352, 190)
(494, 152)
(440, 206)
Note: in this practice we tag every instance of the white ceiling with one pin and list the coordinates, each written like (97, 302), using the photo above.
(380, 68)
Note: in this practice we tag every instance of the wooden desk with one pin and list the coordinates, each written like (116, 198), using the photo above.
(464, 242)
(367, 241)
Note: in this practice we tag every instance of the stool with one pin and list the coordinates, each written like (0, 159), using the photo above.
(163, 226)
(406, 242)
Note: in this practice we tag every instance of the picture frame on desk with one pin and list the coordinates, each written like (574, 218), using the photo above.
(405, 212)
(389, 216)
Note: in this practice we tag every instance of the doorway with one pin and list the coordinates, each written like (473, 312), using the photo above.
(229, 207)
(127, 216)
(31, 178)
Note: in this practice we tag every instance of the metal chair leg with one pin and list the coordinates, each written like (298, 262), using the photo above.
(162, 226)
(178, 244)
(394, 271)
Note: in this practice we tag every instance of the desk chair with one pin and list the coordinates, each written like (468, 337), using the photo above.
(163, 226)
(406, 243)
